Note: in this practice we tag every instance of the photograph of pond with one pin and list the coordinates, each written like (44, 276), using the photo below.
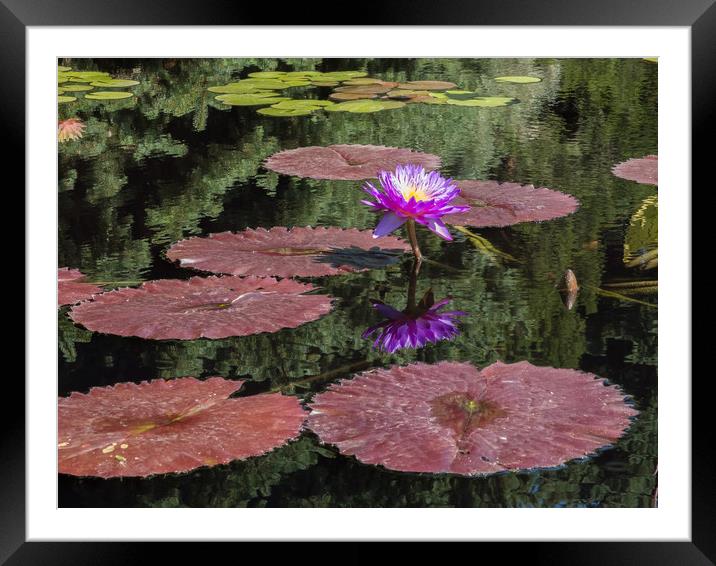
(357, 282)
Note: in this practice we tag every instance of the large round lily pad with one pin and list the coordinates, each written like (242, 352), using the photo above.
(453, 418)
(115, 83)
(644, 170)
(108, 95)
(211, 307)
(248, 99)
(344, 96)
(427, 85)
(349, 162)
(284, 252)
(482, 101)
(363, 89)
(518, 79)
(160, 427)
(503, 204)
(364, 106)
(71, 289)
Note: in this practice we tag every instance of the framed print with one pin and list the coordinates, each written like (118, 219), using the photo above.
(391, 281)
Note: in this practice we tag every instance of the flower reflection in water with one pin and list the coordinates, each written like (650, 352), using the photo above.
(415, 326)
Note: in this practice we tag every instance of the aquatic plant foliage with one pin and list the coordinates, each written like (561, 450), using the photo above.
(642, 234)
(504, 204)
(160, 427)
(211, 307)
(287, 252)
(86, 81)
(453, 418)
(346, 161)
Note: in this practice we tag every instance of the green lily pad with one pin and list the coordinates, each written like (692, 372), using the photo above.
(65, 99)
(303, 74)
(303, 103)
(88, 76)
(324, 83)
(363, 106)
(518, 79)
(76, 87)
(286, 112)
(235, 88)
(267, 74)
(459, 92)
(62, 79)
(362, 81)
(112, 83)
(651, 59)
(60, 91)
(256, 99)
(107, 95)
(344, 75)
(274, 84)
(62, 69)
(484, 101)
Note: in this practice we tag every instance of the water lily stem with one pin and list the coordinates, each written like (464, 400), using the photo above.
(412, 236)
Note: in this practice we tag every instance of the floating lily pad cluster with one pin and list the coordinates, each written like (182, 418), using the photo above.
(353, 92)
(437, 418)
(90, 85)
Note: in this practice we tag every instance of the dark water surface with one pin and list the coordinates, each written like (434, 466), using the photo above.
(172, 163)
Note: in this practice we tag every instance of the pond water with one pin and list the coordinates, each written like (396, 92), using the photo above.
(171, 162)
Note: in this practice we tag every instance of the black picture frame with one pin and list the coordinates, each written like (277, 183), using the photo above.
(699, 15)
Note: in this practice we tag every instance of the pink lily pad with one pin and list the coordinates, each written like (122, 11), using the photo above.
(427, 85)
(644, 170)
(70, 288)
(346, 162)
(159, 427)
(287, 252)
(210, 307)
(453, 418)
(503, 204)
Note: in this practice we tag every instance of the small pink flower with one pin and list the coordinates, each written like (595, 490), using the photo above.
(70, 129)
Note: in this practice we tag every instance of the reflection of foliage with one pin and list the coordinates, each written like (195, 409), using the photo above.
(239, 484)
(171, 163)
(70, 334)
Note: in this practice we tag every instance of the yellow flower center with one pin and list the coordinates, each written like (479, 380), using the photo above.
(414, 192)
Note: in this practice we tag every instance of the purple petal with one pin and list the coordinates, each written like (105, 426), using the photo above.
(437, 226)
(388, 224)
(387, 311)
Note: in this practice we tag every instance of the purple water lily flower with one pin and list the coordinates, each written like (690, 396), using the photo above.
(411, 193)
(414, 327)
